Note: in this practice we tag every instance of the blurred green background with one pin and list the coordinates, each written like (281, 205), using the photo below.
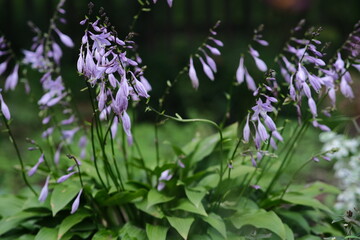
(166, 37)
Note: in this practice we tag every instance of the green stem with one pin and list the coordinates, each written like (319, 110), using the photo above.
(12, 140)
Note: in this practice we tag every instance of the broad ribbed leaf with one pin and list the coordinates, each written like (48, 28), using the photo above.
(187, 206)
(305, 201)
(260, 219)
(182, 225)
(296, 218)
(289, 233)
(11, 222)
(216, 222)
(132, 231)
(71, 221)
(155, 197)
(104, 234)
(62, 195)
(123, 197)
(46, 234)
(195, 195)
(154, 232)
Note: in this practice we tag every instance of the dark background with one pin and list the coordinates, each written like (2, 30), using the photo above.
(167, 36)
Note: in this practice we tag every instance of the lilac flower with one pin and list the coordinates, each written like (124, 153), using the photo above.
(3, 66)
(262, 131)
(217, 42)
(259, 63)
(76, 202)
(321, 126)
(170, 2)
(114, 127)
(207, 69)
(12, 79)
(210, 61)
(127, 126)
(35, 167)
(69, 134)
(139, 87)
(346, 89)
(47, 132)
(269, 123)
(312, 106)
(65, 177)
(246, 131)
(256, 187)
(165, 176)
(45, 190)
(213, 50)
(250, 81)
(57, 154)
(82, 146)
(4, 108)
(65, 39)
(240, 72)
(68, 121)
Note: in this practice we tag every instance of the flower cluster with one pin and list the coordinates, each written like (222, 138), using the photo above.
(308, 75)
(103, 61)
(7, 55)
(170, 2)
(44, 56)
(241, 72)
(209, 65)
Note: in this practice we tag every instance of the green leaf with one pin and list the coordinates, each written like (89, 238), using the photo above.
(304, 200)
(216, 222)
(129, 230)
(71, 221)
(104, 234)
(289, 233)
(182, 225)
(195, 195)
(296, 218)
(12, 222)
(155, 197)
(123, 197)
(61, 196)
(154, 232)
(187, 206)
(10, 205)
(260, 219)
(46, 234)
(154, 211)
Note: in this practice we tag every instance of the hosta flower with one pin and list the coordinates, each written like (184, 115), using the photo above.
(165, 176)
(45, 190)
(76, 203)
(192, 74)
(12, 80)
(65, 177)
(35, 167)
(4, 108)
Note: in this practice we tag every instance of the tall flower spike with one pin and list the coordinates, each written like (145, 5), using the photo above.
(192, 74)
